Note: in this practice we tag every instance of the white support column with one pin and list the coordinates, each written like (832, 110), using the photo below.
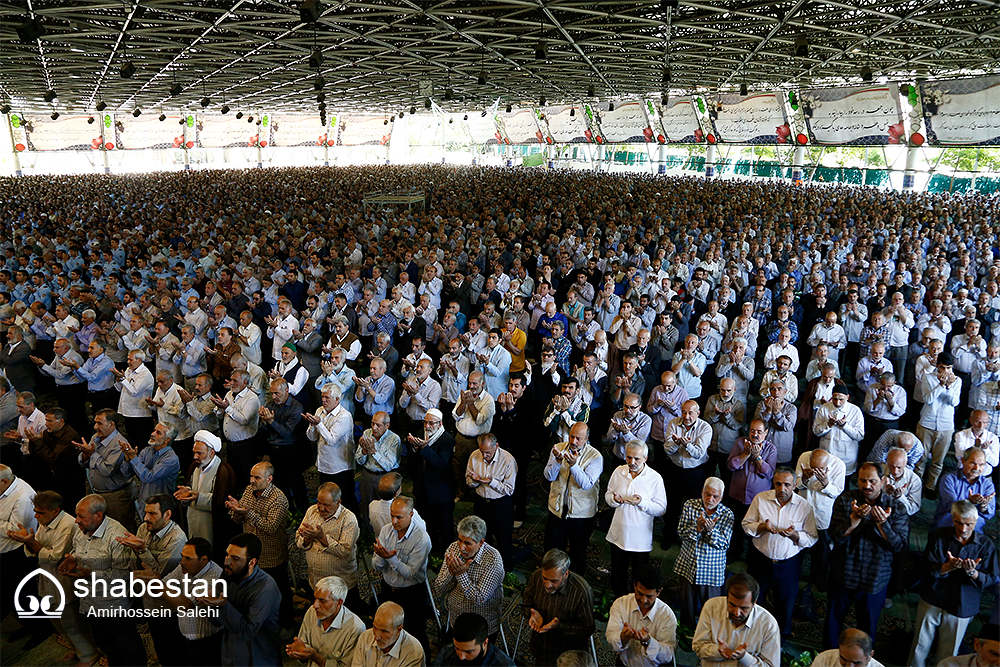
(661, 158)
(550, 157)
(104, 150)
(798, 161)
(184, 146)
(910, 172)
(326, 154)
(260, 157)
(599, 163)
(710, 162)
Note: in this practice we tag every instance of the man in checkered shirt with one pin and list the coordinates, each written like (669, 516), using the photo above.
(705, 529)
(470, 581)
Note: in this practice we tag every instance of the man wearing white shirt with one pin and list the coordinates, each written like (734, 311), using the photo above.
(64, 325)
(420, 393)
(136, 338)
(642, 629)
(495, 362)
(191, 356)
(899, 320)
(831, 333)
(735, 631)
(854, 649)
(820, 478)
(240, 411)
(163, 346)
(942, 392)
(30, 422)
(473, 415)
(935, 320)
(637, 494)
(332, 429)
(977, 435)
(900, 482)
(336, 371)
(280, 328)
(574, 472)
(136, 384)
(686, 442)
(871, 367)
(782, 525)
(782, 348)
(431, 285)
(248, 336)
(16, 510)
(840, 426)
(885, 405)
(490, 473)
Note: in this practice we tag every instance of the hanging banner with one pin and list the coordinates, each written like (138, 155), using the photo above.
(593, 132)
(962, 112)
(222, 131)
(297, 130)
(20, 134)
(626, 124)
(567, 124)
(69, 132)
(679, 120)
(425, 129)
(868, 115)
(482, 128)
(149, 132)
(520, 126)
(749, 120)
(327, 135)
(365, 130)
(654, 131)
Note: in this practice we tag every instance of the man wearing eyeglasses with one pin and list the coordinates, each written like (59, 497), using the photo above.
(628, 424)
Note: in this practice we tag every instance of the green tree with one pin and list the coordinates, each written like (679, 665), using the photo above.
(964, 159)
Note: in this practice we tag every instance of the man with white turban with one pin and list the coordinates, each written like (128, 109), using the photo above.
(210, 481)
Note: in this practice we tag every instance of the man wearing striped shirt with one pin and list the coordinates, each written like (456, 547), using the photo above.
(329, 535)
(332, 430)
(470, 581)
(490, 473)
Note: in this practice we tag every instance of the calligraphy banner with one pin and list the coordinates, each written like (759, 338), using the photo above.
(289, 130)
(482, 128)
(150, 132)
(859, 115)
(365, 130)
(626, 124)
(679, 120)
(223, 132)
(750, 120)
(520, 126)
(67, 133)
(963, 112)
(425, 129)
(567, 124)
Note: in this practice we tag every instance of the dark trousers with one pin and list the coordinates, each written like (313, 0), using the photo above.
(874, 428)
(183, 449)
(440, 519)
(242, 457)
(499, 517)
(783, 577)
(119, 640)
(682, 484)
(819, 560)
(73, 399)
(15, 565)
(693, 598)
(138, 430)
(288, 475)
(103, 399)
(739, 539)
(413, 600)
(168, 641)
(280, 575)
(867, 609)
(620, 562)
(576, 532)
(205, 652)
(345, 480)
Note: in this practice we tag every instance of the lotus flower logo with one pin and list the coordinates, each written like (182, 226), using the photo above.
(39, 608)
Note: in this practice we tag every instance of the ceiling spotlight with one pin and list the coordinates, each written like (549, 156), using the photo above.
(451, 120)
(205, 102)
(427, 103)
(318, 83)
(540, 50)
(316, 59)
(101, 106)
(541, 101)
(176, 90)
(866, 73)
(743, 89)
(163, 117)
(413, 110)
(484, 113)
(321, 97)
(5, 109)
(239, 114)
(30, 30)
(801, 47)
(448, 94)
(611, 106)
(55, 115)
(90, 121)
(249, 119)
(509, 108)
(669, 4)
(258, 121)
(180, 122)
(591, 92)
(137, 112)
(664, 100)
(718, 105)
(310, 10)
(666, 75)
(385, 122)
(392, 119)
(482, 79)
(572, 112)
(50, 96)
(465, 117)
(127, 71)
(225, 108)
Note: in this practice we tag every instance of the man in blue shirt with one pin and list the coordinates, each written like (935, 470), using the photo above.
(96, 372)
(970, 484)
(156, 466)
(249, 615)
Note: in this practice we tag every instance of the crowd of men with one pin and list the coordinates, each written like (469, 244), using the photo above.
(750, 372)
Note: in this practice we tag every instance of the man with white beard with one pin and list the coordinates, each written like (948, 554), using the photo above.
(210, 481)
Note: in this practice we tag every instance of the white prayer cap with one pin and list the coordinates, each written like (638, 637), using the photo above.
(209, 439)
